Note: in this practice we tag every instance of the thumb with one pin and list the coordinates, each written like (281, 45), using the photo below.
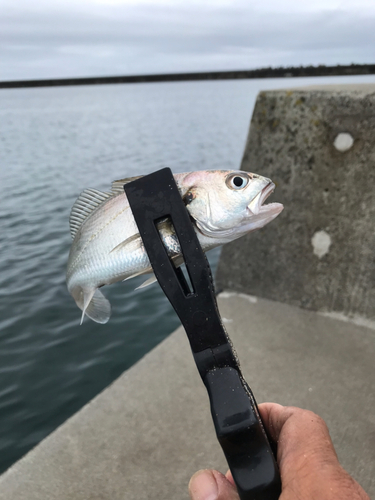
(211, 485)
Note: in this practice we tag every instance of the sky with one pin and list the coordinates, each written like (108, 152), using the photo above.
(73, 38)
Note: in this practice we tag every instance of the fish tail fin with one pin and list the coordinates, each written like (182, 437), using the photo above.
(93, 304)
(99, 308)
(87, 296)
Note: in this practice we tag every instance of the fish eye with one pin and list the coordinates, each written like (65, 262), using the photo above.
(237, 181)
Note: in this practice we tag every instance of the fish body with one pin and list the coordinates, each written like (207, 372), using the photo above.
(223, 205)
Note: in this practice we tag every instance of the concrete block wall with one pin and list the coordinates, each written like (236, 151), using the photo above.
(318, 145)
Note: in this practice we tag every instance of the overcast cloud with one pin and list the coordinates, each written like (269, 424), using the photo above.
(65, 38)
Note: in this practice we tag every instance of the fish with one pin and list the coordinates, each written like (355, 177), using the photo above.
(223, 205)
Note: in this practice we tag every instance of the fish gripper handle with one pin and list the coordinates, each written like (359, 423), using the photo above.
(242, 437)
(237, 422)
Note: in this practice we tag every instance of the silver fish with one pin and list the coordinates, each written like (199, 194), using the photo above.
(224, 205)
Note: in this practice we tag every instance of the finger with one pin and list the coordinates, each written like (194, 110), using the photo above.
(211, 485)
(275, 425)
(229, 476)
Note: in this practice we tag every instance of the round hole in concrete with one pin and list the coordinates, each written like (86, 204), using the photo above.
(343, 142)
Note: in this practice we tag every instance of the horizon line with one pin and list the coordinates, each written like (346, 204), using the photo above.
(266, 72)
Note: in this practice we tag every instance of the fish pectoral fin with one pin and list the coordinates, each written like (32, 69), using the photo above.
(148, 282)
(98, 307)
(134, 275)
(130, 244)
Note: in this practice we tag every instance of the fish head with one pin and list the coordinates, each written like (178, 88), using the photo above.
(226, 204)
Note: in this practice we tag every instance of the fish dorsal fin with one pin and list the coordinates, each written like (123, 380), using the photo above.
(118, 186)
(88, 201)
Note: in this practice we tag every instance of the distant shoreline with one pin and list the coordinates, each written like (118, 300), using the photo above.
(282, 72)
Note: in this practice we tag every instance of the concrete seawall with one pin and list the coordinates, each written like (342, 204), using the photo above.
(318, 145)
(145, 435)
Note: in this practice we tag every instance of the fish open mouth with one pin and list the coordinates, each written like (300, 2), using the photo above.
(257, 206)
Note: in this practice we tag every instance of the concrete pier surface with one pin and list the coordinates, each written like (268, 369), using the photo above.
(144, 436)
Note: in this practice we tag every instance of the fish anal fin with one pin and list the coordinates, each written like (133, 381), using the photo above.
(148, 282)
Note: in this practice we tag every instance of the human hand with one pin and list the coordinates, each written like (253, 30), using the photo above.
(308, 462)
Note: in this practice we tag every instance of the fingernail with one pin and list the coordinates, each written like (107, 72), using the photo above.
(203, 486)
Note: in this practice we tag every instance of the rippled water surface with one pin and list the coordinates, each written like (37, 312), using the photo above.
(54, 142)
